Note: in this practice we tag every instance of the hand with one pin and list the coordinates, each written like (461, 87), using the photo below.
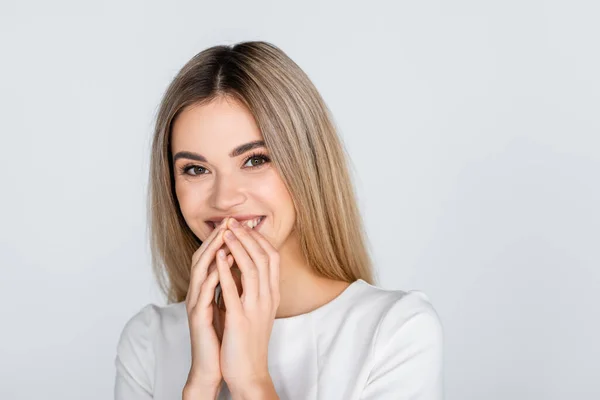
(249, 319)
(221, 308)
(201, 311)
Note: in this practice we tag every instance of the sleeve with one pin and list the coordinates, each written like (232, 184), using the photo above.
(408, 354)
(134, 361)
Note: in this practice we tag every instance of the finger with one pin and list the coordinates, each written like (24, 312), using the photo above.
(207, 241)
(200, 269)
(218, 291)
(250, 278)
(203, 305)
(259, 256)
(228, 286)
(273, 262)
(200, 272)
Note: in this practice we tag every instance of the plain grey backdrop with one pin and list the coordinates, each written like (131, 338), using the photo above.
(473, 129)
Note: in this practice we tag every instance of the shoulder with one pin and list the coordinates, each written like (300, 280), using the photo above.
(401, 340)
(138, 340)
(407, 346)
(409, 317)
(393, 310)
(391, 317)
(152, 319)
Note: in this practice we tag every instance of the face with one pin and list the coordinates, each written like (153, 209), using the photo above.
(222, 169)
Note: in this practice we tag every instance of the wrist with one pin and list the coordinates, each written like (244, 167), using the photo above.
(263, 389)
(200, 391)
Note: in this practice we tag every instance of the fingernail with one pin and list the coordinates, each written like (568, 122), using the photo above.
(234, 223)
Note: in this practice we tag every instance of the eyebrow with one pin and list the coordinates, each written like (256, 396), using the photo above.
(234, 153)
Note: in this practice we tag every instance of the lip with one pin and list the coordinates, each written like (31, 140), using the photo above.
(218, 218)
(212, 221)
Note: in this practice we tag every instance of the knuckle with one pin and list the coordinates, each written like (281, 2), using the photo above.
(201, 250)
(204, 258)
(262, 257)
(196, 256)
(253, 272)
(266, 306)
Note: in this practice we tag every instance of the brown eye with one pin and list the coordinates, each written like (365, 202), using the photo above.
(197, 170)
(256, 160)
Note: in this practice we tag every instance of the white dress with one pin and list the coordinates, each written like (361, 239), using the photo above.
(368, 343)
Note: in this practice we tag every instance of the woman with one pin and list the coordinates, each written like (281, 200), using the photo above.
(258, 243)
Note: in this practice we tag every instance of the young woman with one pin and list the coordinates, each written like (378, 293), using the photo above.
(258, 243)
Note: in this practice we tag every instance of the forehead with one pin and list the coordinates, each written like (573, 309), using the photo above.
(218, 126)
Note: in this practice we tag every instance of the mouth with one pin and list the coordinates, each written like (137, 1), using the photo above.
(250, 223)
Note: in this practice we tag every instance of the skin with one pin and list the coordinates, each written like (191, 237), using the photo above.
(226, 188)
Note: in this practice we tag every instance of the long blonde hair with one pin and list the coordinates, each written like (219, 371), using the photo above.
(298, 131)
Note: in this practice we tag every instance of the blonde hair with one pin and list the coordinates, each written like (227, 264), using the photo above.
(298, 131)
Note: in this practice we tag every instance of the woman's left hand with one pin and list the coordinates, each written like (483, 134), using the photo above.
(248, 319)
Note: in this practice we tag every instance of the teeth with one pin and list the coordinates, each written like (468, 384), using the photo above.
(251, 223)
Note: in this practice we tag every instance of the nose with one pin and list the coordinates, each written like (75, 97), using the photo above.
(226, 193)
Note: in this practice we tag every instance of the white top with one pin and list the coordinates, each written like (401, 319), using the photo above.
(368, 343)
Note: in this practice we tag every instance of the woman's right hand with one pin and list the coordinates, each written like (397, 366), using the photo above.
(205, 371)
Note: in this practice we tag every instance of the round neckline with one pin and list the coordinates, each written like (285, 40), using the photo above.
(325, 307)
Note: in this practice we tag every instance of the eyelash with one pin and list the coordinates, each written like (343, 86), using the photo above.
(185, 168)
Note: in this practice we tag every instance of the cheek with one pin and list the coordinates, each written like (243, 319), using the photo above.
(285, 204)
(274, 193)
(190, 204)
(184, 198)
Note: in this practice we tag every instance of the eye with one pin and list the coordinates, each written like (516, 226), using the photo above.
(192, 167)
(257, 160)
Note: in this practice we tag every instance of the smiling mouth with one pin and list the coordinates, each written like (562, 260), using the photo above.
(250, 223)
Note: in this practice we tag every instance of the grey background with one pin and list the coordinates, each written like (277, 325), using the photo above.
(474, 133)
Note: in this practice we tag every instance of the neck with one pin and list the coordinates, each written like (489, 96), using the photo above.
(301, 289)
